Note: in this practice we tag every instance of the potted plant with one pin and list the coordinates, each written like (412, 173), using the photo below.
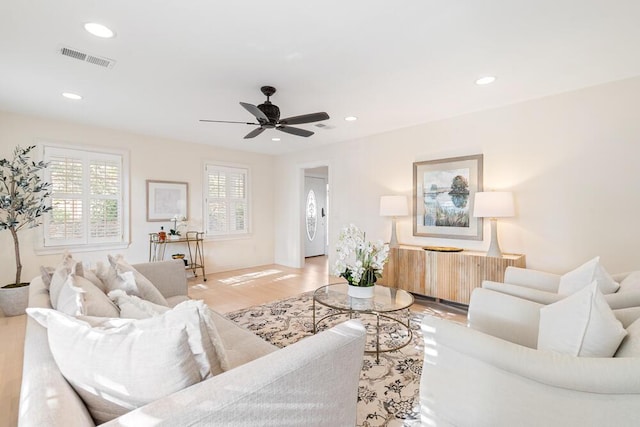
(174, 233)
(23, 197)
(359, 261)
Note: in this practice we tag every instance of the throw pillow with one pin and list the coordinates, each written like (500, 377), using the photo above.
(582, 276)
(582, 324)
(123, 364)
(67, 266)
(142, 287)
(631, 282)
(630, 346)
(45, 274)
(91, 276)
(81, 297)
(132, 307)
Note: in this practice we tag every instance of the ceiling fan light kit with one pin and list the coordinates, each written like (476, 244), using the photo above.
(268, 117)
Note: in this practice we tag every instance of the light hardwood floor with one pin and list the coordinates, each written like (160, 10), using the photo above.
(224, 292)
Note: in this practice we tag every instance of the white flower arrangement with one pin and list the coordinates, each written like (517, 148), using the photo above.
(359, 261)
(175, 231)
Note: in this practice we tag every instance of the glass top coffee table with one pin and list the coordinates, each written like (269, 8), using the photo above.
(390, 304)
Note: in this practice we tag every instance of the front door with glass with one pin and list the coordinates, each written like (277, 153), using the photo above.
(315, 216)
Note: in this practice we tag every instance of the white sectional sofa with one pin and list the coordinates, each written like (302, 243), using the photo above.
(312, 383)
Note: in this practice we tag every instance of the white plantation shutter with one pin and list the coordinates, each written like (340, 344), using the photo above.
(87, 197)
(226, 200)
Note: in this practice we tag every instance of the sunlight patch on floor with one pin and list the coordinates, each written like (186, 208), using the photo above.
(286, 276)
(249, 276)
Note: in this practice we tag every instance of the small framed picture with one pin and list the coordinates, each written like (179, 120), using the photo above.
(166, 199)
(443, 195)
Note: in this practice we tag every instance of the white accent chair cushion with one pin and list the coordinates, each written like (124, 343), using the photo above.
(582, 276)
(630, 283)
(582, 324)
(630, 346)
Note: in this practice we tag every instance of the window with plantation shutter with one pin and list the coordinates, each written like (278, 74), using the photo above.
(88, 203)
(226, 200)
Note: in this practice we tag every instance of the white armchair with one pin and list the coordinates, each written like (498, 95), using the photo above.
(489, 374)
(542, 287)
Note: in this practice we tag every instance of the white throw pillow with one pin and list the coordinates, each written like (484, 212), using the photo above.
(132, 307)
(81, 297)
(121, 364)
(630, 346)
(630, 283)
(118, 276)
(59, 277)
(582, 324)
(582, 276)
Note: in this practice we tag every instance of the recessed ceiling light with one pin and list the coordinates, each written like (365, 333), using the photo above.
(275, 139)
(485, 80)
(99, 30)
(351, 118)
(73, 96)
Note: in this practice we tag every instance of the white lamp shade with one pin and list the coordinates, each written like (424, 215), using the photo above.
(493, 204)
(394, 206)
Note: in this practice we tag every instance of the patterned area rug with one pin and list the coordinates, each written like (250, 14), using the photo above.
(388, 393)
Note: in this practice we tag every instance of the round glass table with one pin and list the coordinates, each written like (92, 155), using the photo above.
(389, 304)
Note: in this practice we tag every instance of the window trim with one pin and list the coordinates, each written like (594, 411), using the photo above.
(125, 242)
(205, 204)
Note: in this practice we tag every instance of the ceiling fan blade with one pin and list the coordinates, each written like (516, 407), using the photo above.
(254, 133)
(255, 111)
(305, 118)
(295, 131)
(227, 121)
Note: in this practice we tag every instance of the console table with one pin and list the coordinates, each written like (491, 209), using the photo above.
(450, 276)
(195, 247)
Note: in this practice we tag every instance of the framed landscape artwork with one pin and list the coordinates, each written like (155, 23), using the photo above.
(166, 199)
(443, 195)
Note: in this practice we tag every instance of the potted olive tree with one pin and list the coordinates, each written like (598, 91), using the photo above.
(23, 197)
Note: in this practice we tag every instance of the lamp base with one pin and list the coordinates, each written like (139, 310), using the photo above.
(393, 243)
(494, 247)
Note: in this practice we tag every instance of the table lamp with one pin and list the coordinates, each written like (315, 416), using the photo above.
(494, 205)
(394, 206)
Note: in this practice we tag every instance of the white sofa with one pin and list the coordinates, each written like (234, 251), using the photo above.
(313, 382)
(489, 373)
(542, 287)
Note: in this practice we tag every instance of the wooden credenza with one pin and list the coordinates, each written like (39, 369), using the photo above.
(449, 276)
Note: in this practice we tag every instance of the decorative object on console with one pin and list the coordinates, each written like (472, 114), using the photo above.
(359, 261)
(23, 201)
(178, 221)
(393, 206)
(166, 199)
(493, 205)
(443, 192)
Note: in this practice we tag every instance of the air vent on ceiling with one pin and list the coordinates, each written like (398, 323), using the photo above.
(87, 57)
(323, 126)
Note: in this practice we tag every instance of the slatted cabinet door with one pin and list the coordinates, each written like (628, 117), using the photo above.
(450, 276)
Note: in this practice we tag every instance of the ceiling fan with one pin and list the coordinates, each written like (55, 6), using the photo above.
(268, 116)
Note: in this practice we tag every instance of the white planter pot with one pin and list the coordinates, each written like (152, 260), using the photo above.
(173, 237)
(13, 301)
(361, 291)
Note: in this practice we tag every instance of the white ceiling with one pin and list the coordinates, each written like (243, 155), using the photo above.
(391, 64)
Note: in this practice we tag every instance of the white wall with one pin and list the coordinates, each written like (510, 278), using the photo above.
(150, 158)
(571, 161)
